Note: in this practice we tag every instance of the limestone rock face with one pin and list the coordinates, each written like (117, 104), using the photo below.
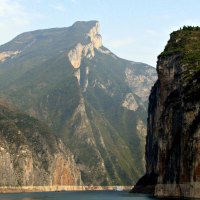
(88, 96)
(130, 102)
(8, 54)
(75, 56)
(141, 127)
(95, 37)
(30, 155)
(86, 49)
(173, 135)
(140, 81)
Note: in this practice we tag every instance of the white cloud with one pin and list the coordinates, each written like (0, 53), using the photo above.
(13, 17)
(6, 7)
(58, 7)
(12, 11)
(118, 43)
(16, 18)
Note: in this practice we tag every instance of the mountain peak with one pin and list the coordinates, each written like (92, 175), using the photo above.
(93, 40)
(91, 99)
(92, 29)
(94, 35)
(85, 24)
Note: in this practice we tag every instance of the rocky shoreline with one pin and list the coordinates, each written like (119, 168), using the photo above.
(56, 188)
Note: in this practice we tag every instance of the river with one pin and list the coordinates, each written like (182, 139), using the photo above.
(82, 195)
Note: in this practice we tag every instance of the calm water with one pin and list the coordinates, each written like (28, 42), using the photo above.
(86, 195)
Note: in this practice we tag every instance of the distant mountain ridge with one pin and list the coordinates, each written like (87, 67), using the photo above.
(95, 101)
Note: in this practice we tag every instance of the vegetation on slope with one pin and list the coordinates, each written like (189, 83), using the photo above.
(41, 82)
(186, 43)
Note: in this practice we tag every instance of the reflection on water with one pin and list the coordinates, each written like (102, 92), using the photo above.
(85, 195)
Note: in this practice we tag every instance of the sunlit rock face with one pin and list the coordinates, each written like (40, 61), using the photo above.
(141, 82)
(130, 102)
(30, 155)
(76, 54)
(94, 36)
(8, 54)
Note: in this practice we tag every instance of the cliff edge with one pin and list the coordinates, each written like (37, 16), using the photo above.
(173, 133)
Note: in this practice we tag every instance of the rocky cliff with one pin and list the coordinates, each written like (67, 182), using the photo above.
(173, 137)
(93, 100)
(30, 155)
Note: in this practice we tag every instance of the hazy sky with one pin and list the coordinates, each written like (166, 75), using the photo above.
(133, 29)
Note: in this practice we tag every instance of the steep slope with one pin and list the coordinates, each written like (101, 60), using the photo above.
(173, 139)
(95, 101)
(30, 155)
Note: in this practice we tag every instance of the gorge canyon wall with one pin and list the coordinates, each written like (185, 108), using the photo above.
(173, 132)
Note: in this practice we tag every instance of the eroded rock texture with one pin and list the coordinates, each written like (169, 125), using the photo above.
(93, 100)
(173, 135)
(30, 155)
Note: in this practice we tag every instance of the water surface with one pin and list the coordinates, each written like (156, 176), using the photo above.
(83, 195)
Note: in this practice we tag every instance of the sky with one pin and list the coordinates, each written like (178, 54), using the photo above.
(136, 30)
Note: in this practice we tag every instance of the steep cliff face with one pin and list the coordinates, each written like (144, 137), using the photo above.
(30, 155)
(86, 49)
(173, 138)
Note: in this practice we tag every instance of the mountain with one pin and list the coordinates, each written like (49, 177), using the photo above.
(173, 139)
(93, 100)
(30, 154)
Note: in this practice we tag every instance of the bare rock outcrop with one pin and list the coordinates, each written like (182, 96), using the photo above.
(30, 155)
(8, 54)
(130, 103)
(86, 49)
(140, 81)
(173, 135)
